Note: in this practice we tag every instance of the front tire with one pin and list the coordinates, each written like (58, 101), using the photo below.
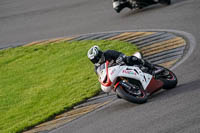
(121, 92)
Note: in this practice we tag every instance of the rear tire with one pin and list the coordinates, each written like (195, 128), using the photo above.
(165, 2)
(170, 80)
(170, 83)
(125, 95)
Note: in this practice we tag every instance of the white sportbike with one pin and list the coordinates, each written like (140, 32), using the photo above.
(134, 83)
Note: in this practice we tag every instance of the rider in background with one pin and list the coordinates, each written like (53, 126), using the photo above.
(118, 5)
(98, 57)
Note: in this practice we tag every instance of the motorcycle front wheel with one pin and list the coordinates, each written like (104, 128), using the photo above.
(139, 97)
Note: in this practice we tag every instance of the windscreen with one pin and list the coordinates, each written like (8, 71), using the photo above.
(100, 68)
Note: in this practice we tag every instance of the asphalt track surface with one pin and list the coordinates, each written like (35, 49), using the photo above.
(177, 110)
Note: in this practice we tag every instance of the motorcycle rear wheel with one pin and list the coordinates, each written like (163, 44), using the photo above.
(165, 2)
(123, 93)
(170, 80)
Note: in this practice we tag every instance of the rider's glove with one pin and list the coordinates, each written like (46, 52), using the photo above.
(120, 59)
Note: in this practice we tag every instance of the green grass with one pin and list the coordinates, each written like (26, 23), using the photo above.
(37, 82)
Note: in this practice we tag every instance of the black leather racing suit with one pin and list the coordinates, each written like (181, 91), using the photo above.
(110, 55)
(140, 4)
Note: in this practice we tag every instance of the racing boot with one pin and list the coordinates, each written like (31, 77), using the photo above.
(133, 60)
(152, 69)
(150, 66)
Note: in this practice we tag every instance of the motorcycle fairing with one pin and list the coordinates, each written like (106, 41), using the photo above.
(108, 76)
(129, 72)
(154, 85)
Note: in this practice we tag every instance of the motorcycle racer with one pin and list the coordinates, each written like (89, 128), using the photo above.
(127, 78)
(119, 5)
(98, 57)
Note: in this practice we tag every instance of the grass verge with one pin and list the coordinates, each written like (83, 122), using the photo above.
(37, 82)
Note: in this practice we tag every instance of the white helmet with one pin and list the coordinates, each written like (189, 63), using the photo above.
(94, 54)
